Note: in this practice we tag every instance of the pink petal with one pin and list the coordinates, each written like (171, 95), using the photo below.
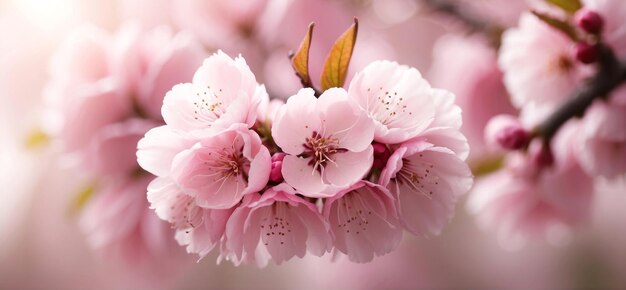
(348, 167)
(296, 121)
(156, 151)
(298, 173)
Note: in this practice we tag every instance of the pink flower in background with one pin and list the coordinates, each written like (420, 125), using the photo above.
(115, 145)
(523, 200)
(426, 180)
(480, 94)
(327, 142)
(396, 98)
(538, 64)
(119, 223)
(148, 64)
(94, 70)
(219, 24)
(277, 226)
(198, 228)
(364, 221)
(602, 140)
(224, 92)
(104, 94)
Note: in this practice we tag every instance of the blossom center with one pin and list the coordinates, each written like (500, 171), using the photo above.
(187, 214)
(208, 105)
(321, 150)
(226, 163)
(353, 214)
(387, 107)
(275, 227)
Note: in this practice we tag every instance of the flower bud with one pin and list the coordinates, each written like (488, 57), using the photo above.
(506, 132)
(276, 174)
(586, 53)
(541, 155)
(589, 20)
(381, 155)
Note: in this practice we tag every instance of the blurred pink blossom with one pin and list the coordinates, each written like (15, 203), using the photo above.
(104, 93)
(524, 200)
(480, 92)
(602, 140)
(537, 63)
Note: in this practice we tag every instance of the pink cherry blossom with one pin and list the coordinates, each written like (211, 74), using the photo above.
(327, 141)
(364, 221)
(523, 199)
(219, 169)
(223, 92)
(444, 131)
(119, 223)
(426, 180)
(199, 229)
(277, 226)
(537, 63)
(602, 142)
(397, 99)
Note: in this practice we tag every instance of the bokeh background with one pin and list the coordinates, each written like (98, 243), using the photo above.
(42, 246)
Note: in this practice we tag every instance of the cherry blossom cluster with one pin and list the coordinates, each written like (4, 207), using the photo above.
(343, 170)
(561, 67)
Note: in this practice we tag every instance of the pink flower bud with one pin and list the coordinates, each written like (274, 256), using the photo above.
(541, 155)
(589, 20)
(586, 53)
(381, 155)
(276, 174)
(506, 132)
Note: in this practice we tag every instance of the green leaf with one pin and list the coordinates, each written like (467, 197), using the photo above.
(300, 60)
(558, 24)
(36, 138)
(337, 62)
(569, 6)
(487, 165)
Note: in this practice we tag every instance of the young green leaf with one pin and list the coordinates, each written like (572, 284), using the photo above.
(569, 6)
(338, 60)
(558, 24)
(300, 60)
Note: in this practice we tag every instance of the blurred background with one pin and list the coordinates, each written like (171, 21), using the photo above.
(42, 244)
